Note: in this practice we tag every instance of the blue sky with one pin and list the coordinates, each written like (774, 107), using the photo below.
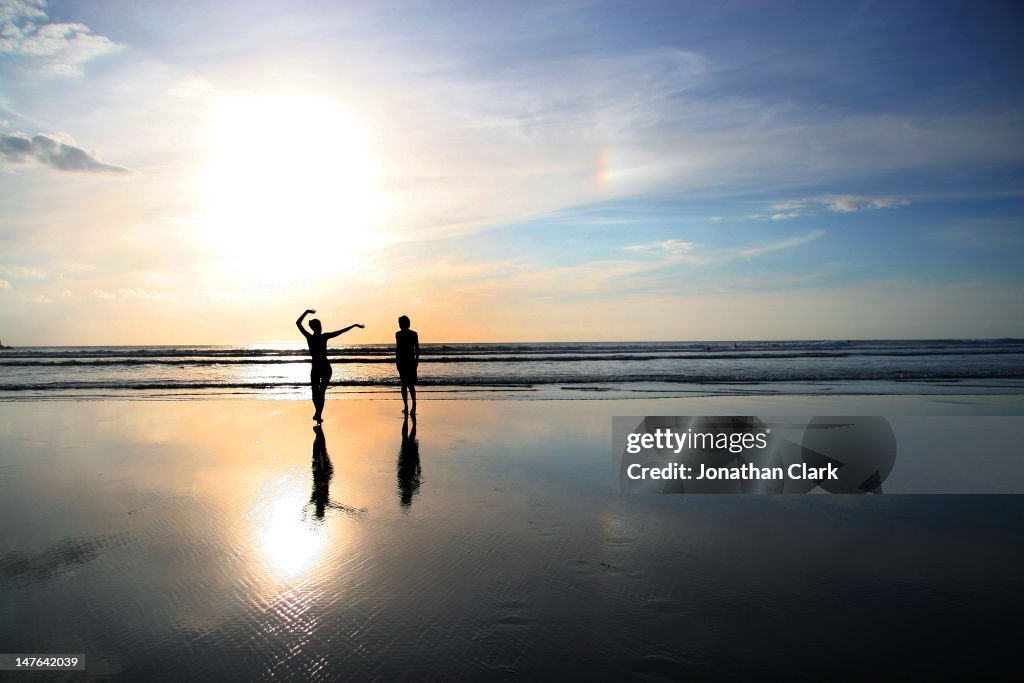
(200, 172)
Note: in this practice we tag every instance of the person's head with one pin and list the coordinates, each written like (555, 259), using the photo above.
(403, 322)
(314, 325)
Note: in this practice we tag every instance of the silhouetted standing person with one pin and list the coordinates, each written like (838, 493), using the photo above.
(407, 358)
(408, 464)
(320, 373)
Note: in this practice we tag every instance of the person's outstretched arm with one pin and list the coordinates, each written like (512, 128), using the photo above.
(298, 323)
(332, 335)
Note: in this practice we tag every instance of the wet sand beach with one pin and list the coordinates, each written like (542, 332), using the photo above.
(227, 540)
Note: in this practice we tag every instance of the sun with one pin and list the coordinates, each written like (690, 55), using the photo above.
(290, 182)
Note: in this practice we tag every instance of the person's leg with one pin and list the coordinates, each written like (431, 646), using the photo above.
(325, 379)
(412, 378)
(318, 400)
(314, 388)
(405, 397)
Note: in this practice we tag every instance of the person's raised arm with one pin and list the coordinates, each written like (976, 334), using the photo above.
(298, 323)
(332, 335)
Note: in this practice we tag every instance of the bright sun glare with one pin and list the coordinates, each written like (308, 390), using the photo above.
(289, 542)
(291, 181)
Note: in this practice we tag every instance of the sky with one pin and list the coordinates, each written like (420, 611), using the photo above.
(201, 173)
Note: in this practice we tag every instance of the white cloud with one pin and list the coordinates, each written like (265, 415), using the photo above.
(57, 49)
(783, 244)
(847, 203)
(12, 10)
(840, 203)
(139, 293)
(675, 251)
(4, 284)
(47, 150)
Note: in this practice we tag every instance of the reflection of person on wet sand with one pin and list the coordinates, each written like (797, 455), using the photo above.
(408, 464)
(320, 373)
(323, 470)
(407, 357)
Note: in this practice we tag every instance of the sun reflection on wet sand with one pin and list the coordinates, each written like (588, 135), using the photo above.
(291, 544)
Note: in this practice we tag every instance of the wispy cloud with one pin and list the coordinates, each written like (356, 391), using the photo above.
(4, 284)
(22, 271)
(140, 293)
(49, 151)
(847, 203)
(193, 86)
(673, 251)
(782, 244)
(837, 203)
(57, 49)
(671, 246)
(127, 293)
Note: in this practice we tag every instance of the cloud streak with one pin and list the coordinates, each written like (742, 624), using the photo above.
(783, 244)
(61, 156)
(835, 203)
(22, 271)
(671, 246)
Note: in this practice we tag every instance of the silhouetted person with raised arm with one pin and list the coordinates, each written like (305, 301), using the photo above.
(323, 470)
(320, 373)
(408, 464)
(407, 358)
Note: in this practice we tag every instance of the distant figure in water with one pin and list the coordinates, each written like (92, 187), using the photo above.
(407, 358)
(320, 374)
(408, 464)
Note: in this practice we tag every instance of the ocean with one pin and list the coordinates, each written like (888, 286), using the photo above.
(524, 370)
